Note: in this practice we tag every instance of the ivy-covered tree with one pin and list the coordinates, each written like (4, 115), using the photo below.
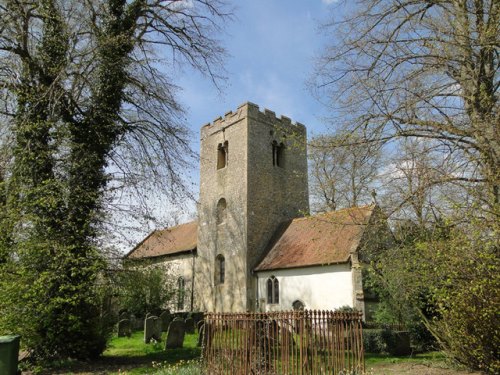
(87, 105)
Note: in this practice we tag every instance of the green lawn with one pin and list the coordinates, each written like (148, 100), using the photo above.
(129, 356)
(430, 358)
(152, 356)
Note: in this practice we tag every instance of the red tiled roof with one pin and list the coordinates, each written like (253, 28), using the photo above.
(169, 241)
(318, 240)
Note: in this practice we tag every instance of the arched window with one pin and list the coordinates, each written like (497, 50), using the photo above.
(273, 290)
(222, 152)
(278, 154)
(181, 292)
(298, 305)
(221, 211)
(220, 269)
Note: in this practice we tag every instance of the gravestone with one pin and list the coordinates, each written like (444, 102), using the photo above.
(165, 318)
(199, 325)
(152, 329)
(201, 333)
(124, 328)
(137, 324)
(175, 335)
(189, 325)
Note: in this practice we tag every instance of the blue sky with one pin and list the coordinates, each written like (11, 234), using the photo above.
(272, 44)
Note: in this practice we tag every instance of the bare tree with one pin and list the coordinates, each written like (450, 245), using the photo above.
(426, 69)
(343, 170)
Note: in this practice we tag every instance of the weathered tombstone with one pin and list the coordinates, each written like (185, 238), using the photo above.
(136, 323)
(152, 329)
(199, 325)
(165, 318)
(175, 335)
(124, 328)
(189, 325)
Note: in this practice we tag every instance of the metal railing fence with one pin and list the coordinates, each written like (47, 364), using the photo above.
(305, 342)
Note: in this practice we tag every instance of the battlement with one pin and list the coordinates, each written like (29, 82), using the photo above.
(252, 110)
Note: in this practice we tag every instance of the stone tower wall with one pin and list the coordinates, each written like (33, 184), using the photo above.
(275, 193)
(258, 196)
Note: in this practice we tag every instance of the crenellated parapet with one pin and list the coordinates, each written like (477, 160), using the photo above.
(253, 111)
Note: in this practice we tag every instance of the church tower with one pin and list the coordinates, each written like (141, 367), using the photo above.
(253, 176)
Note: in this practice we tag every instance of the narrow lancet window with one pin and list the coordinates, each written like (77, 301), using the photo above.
(273, 290)
(181, 292)
(220, 269)
(222, 153)
(278, 154)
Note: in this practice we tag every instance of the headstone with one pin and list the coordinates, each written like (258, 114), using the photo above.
(165, 318)
(152, 329)
(124, 328)
(189, 325)
(201, 332)
(199, 325)
(136, 323)
(175, 335)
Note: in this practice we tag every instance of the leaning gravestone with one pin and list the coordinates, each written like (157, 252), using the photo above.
(124, 328)
(189, 325)
(165, 318)
(152, 329)
(175, 335)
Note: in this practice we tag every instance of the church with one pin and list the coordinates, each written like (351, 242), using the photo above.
(254, 246)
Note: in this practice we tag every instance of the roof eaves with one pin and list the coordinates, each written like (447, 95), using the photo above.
(139, 244)
(304, 266)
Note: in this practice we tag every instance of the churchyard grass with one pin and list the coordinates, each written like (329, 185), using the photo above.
(154, 358)
(430, 358)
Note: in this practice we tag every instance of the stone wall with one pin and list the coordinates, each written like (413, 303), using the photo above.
(258, 196)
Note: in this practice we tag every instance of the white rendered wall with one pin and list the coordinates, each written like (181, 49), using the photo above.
(320, 288)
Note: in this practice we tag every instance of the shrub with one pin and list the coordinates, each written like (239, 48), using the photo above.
(385, 340)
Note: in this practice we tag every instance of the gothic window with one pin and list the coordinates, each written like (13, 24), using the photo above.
(222, 151)
(221, 211)
(273, 290)
(220, 269)
(278, 154)
(181, 292)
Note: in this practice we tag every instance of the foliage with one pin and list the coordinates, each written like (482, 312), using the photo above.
(85, 112)
(342, 176)
(144, 290)
(383, 340)
(447, 279)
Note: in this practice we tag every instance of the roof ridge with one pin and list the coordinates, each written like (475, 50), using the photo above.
(372, 205)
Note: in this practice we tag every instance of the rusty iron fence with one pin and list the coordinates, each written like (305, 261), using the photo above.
(289, 342)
